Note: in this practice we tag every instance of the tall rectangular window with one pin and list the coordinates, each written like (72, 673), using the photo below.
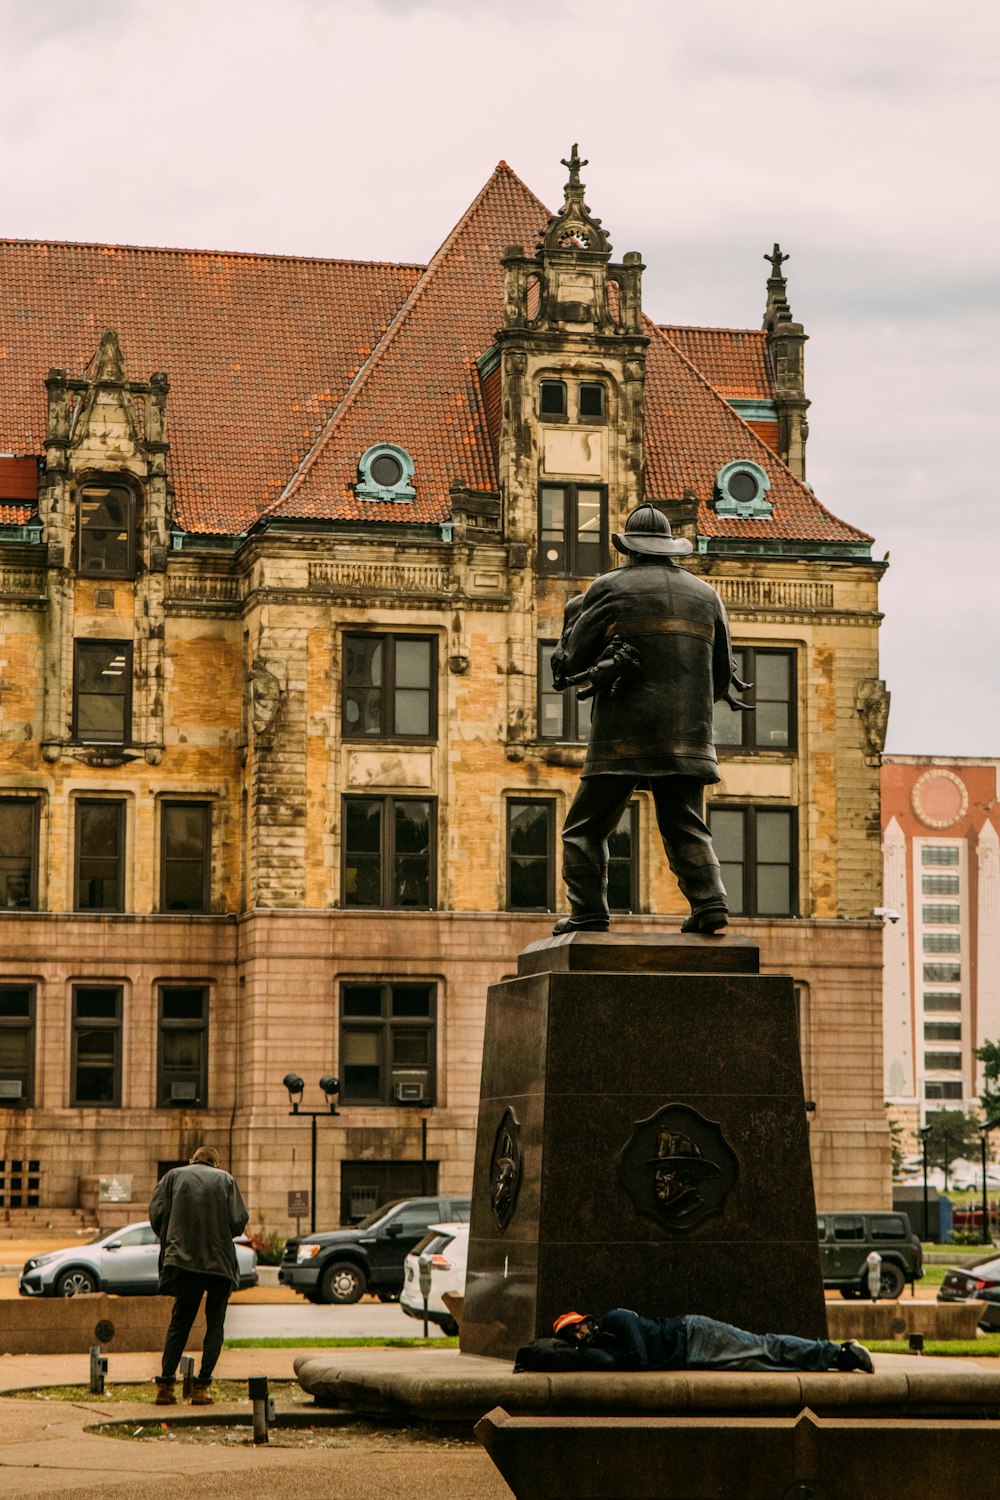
(561, 716)
(772, 725)
(936, 1088)
(18, 853)
(942, 942)
(756, 847)
(100, 855)
(942, 973)
(106, 531)
(939, 854)
(388, 852)
(390, 687)
(102, 692)
(623, 862)
(572, 530)
(182, 1074)
(531, 855)
(96, 1067)
(17, 1044)
(185, 856)
(387, 1043)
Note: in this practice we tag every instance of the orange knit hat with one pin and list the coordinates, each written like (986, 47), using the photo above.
(566, 1320)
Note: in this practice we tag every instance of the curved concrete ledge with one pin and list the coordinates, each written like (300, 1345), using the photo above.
(443, 1385)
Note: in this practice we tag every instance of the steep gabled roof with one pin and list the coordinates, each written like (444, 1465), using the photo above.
(692, 433)
(259, 350)
(285, 370)
(421, 388)
(733, 360)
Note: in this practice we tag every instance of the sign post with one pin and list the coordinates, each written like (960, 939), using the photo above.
(298, 1207)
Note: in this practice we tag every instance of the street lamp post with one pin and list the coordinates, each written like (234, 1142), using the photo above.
(925, 1131)
(331, 1088)
(984, 1131)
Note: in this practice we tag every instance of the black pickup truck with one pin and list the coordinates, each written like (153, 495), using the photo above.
(340, 1265)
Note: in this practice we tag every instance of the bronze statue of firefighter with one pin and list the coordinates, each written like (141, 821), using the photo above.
(649, 642)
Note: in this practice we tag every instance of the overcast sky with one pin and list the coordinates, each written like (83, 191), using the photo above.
(861, 134)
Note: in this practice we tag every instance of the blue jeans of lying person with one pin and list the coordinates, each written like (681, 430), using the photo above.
(720, 1346)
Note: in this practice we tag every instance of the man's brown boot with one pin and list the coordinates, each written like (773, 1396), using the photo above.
(165, 1393)
(201, 1393)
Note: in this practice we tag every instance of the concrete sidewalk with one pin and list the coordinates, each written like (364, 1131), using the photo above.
(45, 1447)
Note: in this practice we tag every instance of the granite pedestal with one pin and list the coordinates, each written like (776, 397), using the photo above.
(642, 1142)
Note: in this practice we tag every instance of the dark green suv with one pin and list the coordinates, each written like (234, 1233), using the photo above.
(847, 1239)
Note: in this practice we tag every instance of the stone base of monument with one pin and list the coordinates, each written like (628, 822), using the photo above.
(802, 1457)
(642, 1142)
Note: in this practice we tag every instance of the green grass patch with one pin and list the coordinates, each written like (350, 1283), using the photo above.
(375, 1343)
(144, 1393)
(987, 1347)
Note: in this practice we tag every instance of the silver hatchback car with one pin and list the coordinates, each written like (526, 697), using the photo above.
(124, 1261)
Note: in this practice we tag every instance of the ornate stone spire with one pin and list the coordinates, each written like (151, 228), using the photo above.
(574, 226)
(777, 310)
(786, 348)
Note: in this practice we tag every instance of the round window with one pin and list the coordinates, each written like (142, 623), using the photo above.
(743, 486)
(386, 470)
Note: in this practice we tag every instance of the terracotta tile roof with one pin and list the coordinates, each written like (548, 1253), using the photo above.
(734, 360)
(284, 370)
(421, 388)
(691, 433)
(18, 489)
(259, 350)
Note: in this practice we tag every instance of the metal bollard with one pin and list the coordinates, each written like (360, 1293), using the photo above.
(916, 1343)
(98, 1370)
(263, 1407)
(186, 1371)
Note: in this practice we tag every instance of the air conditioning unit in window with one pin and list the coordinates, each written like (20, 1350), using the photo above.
(184, 1091)
(410, 1085)
(11, 1088)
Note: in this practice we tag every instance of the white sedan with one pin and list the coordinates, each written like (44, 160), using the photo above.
(444, 1251)
(123, 1261)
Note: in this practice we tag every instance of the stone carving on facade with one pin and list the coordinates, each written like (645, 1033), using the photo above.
(872, 703)
(505, 1168)
(268, 684)
(939, 798)
(677, 1167)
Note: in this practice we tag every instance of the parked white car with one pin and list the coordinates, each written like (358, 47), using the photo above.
(123, 1261)
(445, 1251)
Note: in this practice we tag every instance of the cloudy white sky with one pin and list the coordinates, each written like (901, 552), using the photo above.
(862, 134)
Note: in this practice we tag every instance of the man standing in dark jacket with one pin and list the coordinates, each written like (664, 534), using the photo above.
(652, 642)
(195, 1211)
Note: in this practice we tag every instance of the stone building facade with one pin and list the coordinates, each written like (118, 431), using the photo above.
(941, 884)
(285, 546)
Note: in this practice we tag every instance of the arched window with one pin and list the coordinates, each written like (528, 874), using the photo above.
(106, 530)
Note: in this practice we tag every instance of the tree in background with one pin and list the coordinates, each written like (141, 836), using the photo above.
(989, 1055)
(952, 1134)
(895, 1145)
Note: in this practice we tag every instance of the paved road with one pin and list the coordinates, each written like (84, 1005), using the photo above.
(365, 1319)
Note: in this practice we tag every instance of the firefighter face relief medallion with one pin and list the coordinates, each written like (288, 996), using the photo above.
(677, 1167)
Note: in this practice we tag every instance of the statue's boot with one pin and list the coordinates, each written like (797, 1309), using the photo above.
(587, 888)
(706, 919)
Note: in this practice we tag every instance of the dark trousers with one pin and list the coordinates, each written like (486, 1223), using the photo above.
(188, 1289)
(593, 815)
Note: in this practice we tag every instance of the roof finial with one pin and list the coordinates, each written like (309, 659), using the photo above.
(573, 167)
(777, 310)
(574, 225)
(777, 259)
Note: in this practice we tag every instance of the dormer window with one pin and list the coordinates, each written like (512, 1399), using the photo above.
(741, 490)
(591, 399)
(552, 398)
(106, 531)
(384, 473)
